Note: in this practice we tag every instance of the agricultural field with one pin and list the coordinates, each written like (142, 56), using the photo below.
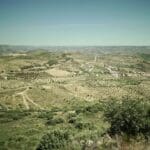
(64, 95)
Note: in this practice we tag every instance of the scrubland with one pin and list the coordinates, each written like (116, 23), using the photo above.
(75, 100)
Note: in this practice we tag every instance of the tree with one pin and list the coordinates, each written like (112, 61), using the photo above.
(128, 116)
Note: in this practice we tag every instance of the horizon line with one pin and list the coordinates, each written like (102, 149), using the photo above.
(44, 45)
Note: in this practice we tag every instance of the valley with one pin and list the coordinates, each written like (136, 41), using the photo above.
(43, 90)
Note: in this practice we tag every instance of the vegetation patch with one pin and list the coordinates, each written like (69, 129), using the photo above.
(12, 115)
(57, 139)
(131, 117)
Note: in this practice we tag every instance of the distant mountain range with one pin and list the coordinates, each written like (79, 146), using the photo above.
(90, 49)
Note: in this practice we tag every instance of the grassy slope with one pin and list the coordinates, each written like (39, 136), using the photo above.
(64, 93)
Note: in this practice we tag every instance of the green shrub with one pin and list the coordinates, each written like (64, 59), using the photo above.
(83, 125)
(55, 121)
(72, 120)
(52, 62)
(47, 115)
(12, 115)
(128, 116)
(80, 123)
(79, 110)
(54, 140)
(93, 108)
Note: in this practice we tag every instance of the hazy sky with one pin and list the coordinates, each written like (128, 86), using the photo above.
(75, 22)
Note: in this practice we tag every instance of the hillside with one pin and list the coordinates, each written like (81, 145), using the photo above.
(40, 84)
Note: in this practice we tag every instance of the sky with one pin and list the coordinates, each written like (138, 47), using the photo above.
(75, 22)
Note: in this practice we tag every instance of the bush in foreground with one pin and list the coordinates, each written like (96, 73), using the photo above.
(57, 139)
(128, 116)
